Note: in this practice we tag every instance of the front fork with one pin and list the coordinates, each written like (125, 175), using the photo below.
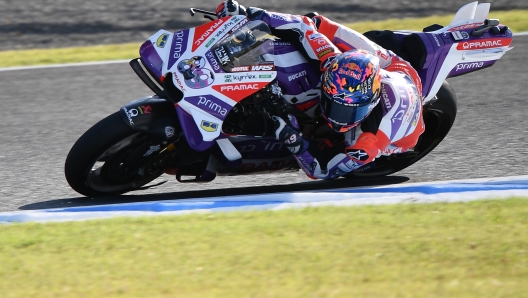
(152, 115)
(157, 117)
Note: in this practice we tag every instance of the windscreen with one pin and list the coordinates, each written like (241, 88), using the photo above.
(245, 46)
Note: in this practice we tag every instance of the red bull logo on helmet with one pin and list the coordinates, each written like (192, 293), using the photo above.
(352, 70)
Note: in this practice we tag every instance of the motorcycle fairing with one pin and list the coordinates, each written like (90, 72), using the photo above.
(191, 131)
(249, 166)
(456, 49)
(209, 92)
(443, 53)
(151, 57)
(296, 77)
(257, 147)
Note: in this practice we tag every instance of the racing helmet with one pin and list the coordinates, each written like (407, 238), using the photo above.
(350, 89)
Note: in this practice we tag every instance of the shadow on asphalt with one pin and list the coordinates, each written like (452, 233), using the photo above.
(255, 190)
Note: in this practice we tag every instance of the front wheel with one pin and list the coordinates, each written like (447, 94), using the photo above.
(111, 158)
(439, 117)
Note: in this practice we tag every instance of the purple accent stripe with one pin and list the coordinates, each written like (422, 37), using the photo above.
(464, 68)
(275, 20)
(192, 133)
(213, 62)
(292, 69)
(211, 105)
(178, 46)
(150, 58)
(338, 40)
(303, 81)
(280, 48)
(435, 59)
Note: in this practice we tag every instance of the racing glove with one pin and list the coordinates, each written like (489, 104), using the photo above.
(230, 8)
(287, 132)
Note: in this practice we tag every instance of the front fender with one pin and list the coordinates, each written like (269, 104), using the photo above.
(152, 115)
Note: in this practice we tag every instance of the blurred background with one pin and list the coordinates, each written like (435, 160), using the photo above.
(33, 24)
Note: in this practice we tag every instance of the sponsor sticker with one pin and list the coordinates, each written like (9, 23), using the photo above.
(130, 114)
(177, 79)
(209, 43)
(162, 40)
(324, 48)
(358, 154)
(280, 17)
(353, 73)
(179, 46)
(240, 24)
(240, 87)
(484, 43)
(386, 99)
(297, 75)
(323, 53)
(464, 27)
(328, 61)
(145, 109)
(210, 104)
(239, 91)
(169, 132)
(262, 67)
(210, 57)
(204, 31)
(468, 66)
(315, 36)
(436, 40)
(281, 43)
(222, 56)
(460, 35)
(230, 78)
(209, 126)
(244, 77)
(240, 68)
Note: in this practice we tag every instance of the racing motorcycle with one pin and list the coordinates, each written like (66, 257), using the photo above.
(217, 85)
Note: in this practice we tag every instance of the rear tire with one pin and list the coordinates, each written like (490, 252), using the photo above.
(108, 159)
(439, 117)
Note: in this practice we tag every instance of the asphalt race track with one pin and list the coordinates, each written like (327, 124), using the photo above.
(45, 110)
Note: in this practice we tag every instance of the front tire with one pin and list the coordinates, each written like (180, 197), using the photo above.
(109, 159)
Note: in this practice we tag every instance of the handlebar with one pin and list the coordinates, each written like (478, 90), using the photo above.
(207, 14)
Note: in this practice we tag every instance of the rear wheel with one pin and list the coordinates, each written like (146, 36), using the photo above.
(111, 158)
(439, 117)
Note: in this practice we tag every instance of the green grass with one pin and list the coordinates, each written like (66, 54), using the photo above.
(516, 20)
(69, 55)
(475, 249)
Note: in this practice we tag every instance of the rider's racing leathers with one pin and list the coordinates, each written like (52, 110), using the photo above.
(394, 125)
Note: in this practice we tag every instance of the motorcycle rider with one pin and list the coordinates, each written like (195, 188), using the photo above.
(368, 93)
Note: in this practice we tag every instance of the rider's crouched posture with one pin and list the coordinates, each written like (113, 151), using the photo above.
(367, 92)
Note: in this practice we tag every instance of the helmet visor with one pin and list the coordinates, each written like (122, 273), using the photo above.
(345, 116)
